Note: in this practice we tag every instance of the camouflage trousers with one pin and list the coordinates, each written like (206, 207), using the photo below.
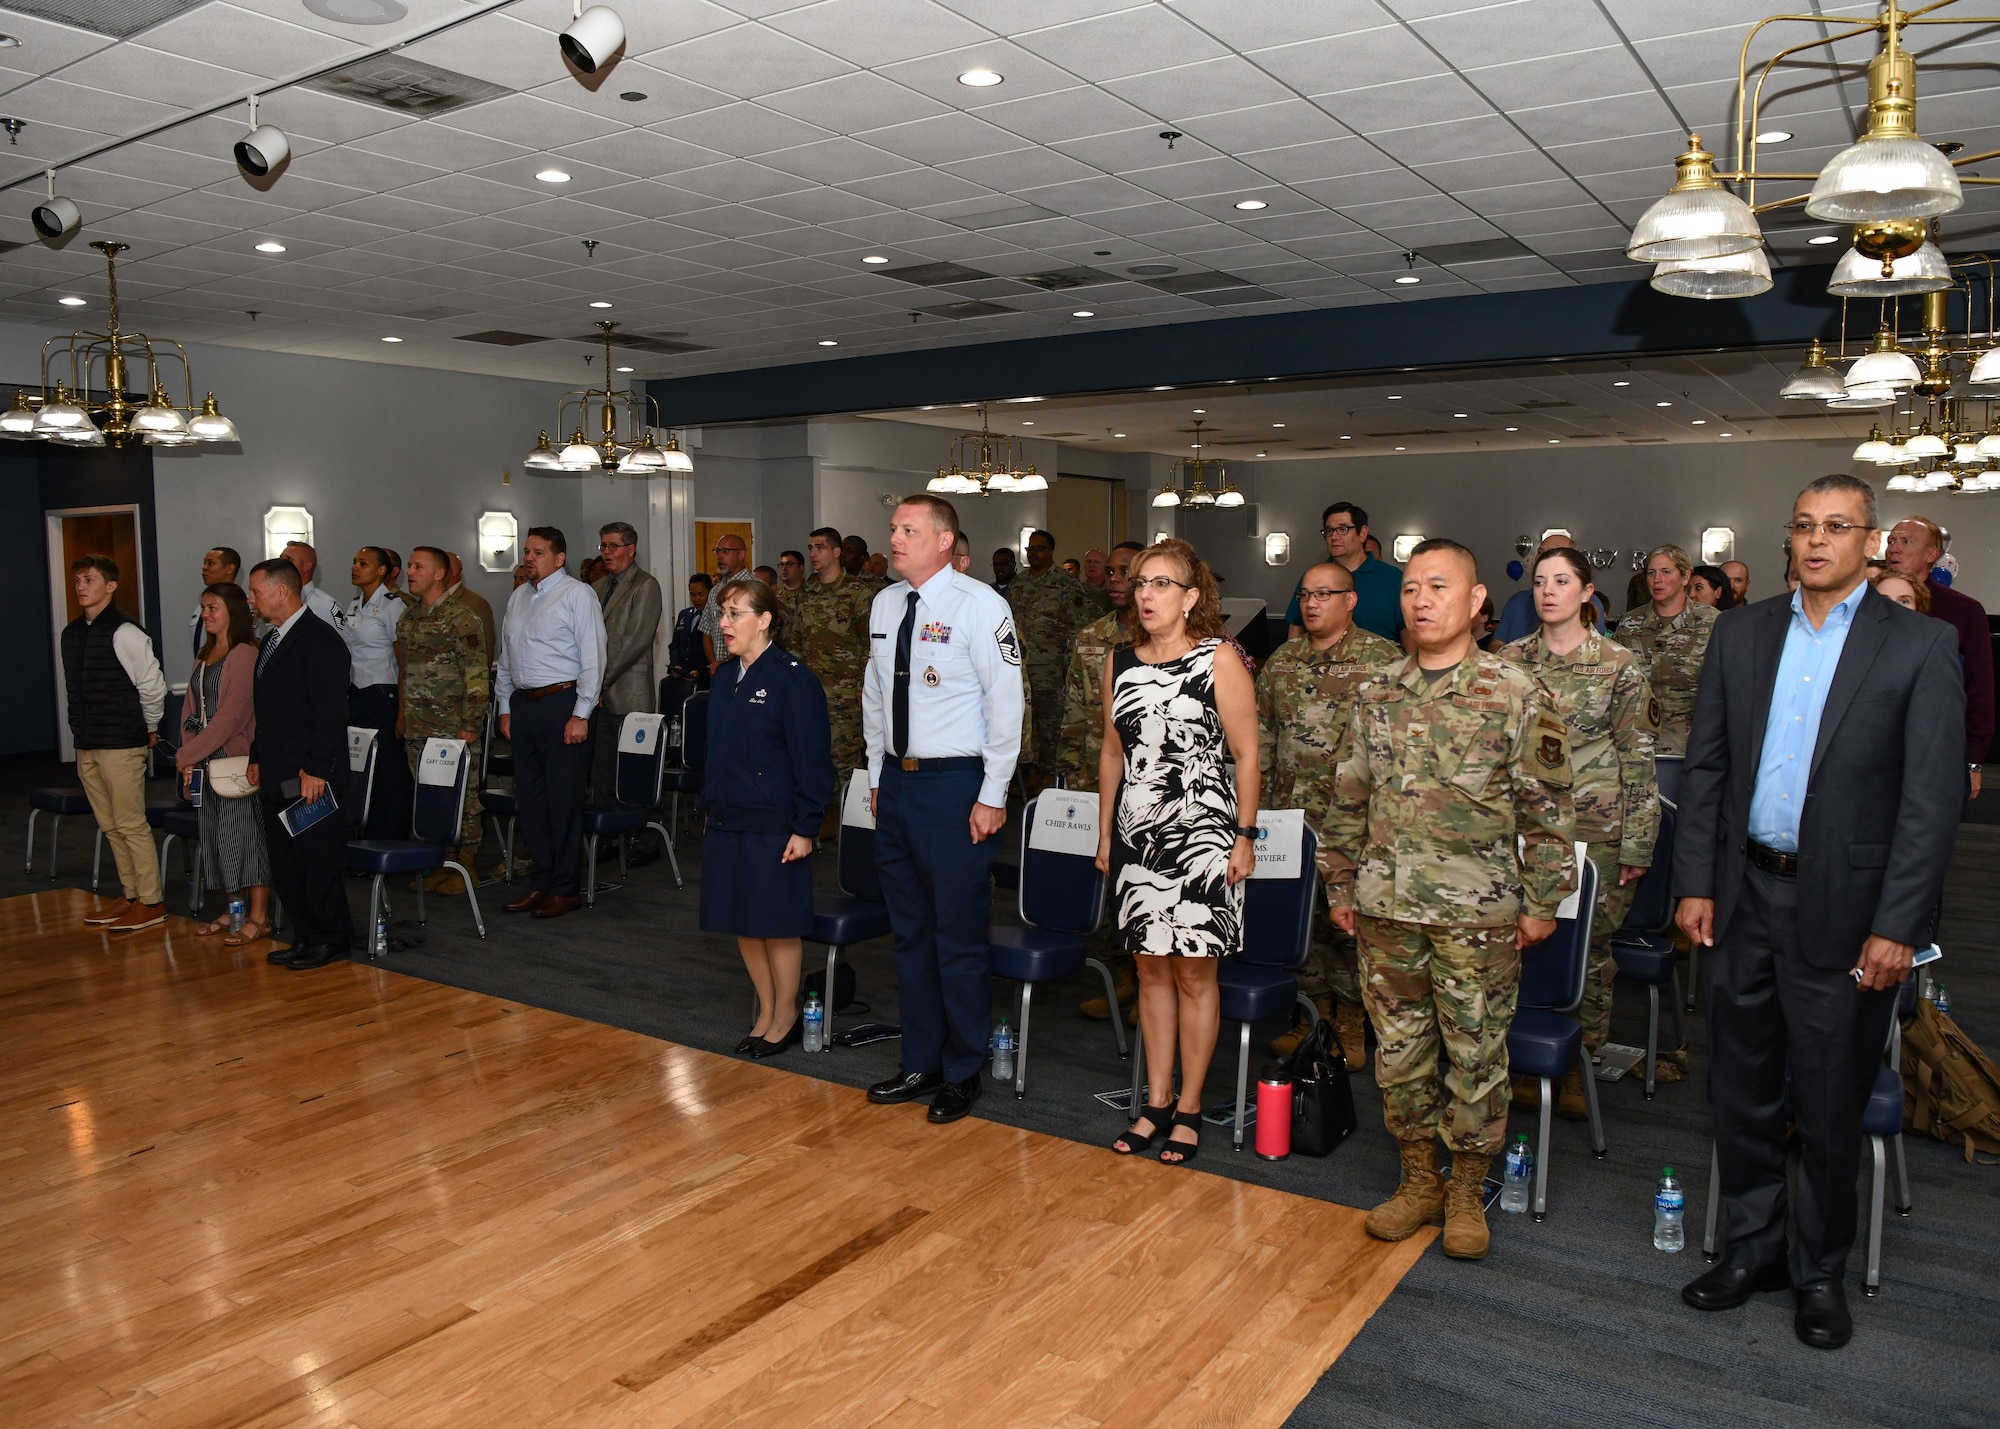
(1332, 963)
(1601, 972)
(1045, 695)
(1441, 1000)
(469, 829)
(849, 754)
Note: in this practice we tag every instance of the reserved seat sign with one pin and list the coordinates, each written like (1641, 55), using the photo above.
(1065, 822)
(1281, 843)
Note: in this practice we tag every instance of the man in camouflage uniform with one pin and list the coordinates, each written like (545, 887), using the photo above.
(1670, 637)
(827, 621)
(1050, 607)
(1081, 743)
(441, 650)
(1600, 691)
(1305, 694)
(1451, 755)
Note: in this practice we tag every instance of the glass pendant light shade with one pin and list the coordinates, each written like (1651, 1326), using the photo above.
(1939, 480)
(1033, 481)
(1965, 453)
(1926, 443)
(543, 457)
(1229, 496)
(1874, 449)
(18, 421)
(1989, 445)
(1884, 364)
(209, 425)
(1885, 176)
(1859, 276)
(60, 415)
(938, 485)
(1167, 496)
(1736, 275)
(1814, 378)
(1200, 496)
(86, 435)
(1985, 372)
(1902, 481)
(159, 417)
(580, 455)
(677, 460)
(1698, 217)
(1864, 398)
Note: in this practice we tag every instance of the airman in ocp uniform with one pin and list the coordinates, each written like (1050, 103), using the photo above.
(1305, 694)
(447, 686)
(1050, 607)
(827, 628)
(1670, 636)
(1452, 756)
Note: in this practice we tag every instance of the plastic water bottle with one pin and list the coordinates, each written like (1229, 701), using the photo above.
(238, 912)
(1003, 1052)
(382, 933)
(815, 1019)
(1668, 1233)
(1519, 1170)
(1943, 999)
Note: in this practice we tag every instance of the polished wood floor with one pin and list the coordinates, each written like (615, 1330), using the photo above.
(235, 1195)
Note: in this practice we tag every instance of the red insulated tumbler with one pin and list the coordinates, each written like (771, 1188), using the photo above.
(1274, 1118)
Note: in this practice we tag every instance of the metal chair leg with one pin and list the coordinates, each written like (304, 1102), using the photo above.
(55, 843)
(1311, 1010)
(1136, 1108)
(1903, 1204)
(624, 870)
(378, 899)
(423, 915)
(1694, 974)
(1541, 1206)
(1111, 1001)
(166, 847)
(1242, 1085)
(465, 874)
(1708, 1242)
(1872, 1284)
(675, 865)
(96, 859)
(1590, 1100)
(1652, 1034)
(1680, 1027)
(1021, 1043)
(826, 999)
(590, 872)
(29, 866)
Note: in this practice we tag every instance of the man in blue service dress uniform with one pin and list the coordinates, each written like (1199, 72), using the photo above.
(941, 708)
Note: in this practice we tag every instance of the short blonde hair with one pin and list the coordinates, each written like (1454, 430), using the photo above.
(1680, 558)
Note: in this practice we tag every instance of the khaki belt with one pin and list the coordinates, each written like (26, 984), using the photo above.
(544, 691)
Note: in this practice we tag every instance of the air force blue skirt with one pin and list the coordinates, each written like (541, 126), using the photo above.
(746, 890)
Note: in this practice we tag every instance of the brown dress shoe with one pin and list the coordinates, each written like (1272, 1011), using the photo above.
(527, 903)
(109, 913)
(556, 907)
(140, 915)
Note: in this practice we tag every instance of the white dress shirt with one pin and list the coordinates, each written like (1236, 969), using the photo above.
(323, 605)
(370, 632)
(966, 692)
(134, 649)
(553, 632)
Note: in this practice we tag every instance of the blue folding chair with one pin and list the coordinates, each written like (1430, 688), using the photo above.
(685, 777)
(1545, 1040)
(60, 804)
(1642, 951)
(434, 820)
(500, 805)
(181, 820)
(362, 752)
(1060, 897)
(1262, 981)
(860, 912)
(641, 764)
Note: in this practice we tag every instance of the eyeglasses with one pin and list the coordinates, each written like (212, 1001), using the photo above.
(612, 545)
(1803, 530)
(719, 550)
(1308, 597)
(1163, 584)
(1338, 530)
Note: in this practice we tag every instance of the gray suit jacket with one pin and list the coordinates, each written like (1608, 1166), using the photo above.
(1886, 788)
(631, 623)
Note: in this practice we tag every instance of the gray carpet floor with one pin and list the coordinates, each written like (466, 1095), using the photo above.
(1573, 1321)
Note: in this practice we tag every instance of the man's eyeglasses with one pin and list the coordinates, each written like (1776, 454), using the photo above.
(1308, 597)
(1338, 530)
(1803, 530)
(612, 545)
(719, 550)
(1162, 584)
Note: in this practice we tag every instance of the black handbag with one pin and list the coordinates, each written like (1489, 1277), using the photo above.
(1322, 1100)
(843, 986)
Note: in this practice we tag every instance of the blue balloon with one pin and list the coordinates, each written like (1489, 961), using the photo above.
(1940, 576)
(1515, 570)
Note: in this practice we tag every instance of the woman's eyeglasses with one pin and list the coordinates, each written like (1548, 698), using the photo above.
(1162, 584)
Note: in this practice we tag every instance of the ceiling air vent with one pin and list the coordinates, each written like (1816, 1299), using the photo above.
(661, 345)
(1481, 250)
(1193, 282)
(1645, 441)
(119, 18)
(935, 275)
(406, 85)
(1057, 279)
(1001, 217)
(500, 337)
(966, 310)
(431, 315)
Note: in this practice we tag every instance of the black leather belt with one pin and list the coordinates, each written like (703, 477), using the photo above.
(1771, 860)
(958, 763)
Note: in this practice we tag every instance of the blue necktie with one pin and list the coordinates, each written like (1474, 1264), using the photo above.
(264, 655)
(899, 699)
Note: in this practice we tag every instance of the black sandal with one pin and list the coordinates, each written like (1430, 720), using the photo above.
(1162, 1118)
(1187, 1149)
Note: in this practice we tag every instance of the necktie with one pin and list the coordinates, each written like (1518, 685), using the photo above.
(610, 589)
(264, 655)
(899, 699)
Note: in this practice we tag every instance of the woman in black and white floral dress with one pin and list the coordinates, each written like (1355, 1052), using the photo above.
(1181, 842)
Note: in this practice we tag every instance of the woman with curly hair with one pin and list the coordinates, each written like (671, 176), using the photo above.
(1181, 843)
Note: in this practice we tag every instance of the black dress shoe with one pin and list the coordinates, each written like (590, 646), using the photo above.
(905, 1087)
(281, 956)
(1822, 1320)
(954, 1100)
(767, 1048)
(743, 1047)
(316, 955)
(1727, 1286)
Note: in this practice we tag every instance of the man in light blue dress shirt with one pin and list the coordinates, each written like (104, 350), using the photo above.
(372, 689)
(551, 670)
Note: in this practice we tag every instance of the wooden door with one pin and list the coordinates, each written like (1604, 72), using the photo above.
(1082, 515)
(707, 533)
(104, 533)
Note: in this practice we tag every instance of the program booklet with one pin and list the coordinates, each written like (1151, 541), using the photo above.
(302, 815)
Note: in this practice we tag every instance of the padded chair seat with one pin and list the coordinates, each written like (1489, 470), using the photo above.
(385, 856)
(499, 764)
(1884, 1113)
(499, 801)
(1542, 1044)
(681, 781)
(613, 818)
(1643, 959)
(1007, 876)
(59, 801)
(843, 922)
(1253, 992)
(1033, 954)
(157, 814)
(182, 822)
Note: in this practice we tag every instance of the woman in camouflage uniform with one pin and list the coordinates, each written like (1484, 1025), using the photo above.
(1670, 636)
(1599, 687)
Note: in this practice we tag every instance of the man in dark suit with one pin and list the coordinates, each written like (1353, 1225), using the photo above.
(299, 748)
(1820, 798)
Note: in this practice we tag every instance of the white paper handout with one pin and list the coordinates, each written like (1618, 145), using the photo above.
(1281, 841)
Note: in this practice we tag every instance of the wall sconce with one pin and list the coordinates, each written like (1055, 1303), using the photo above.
(1718, 544)
(1159, 536)
(1277, 548)
(1405, 544)
(499, 541)
(284, 524)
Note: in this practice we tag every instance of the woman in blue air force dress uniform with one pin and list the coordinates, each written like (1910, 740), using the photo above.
(769, 777)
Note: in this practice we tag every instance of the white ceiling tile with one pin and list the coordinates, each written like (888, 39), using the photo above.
(853, 102)
(1214, 86)
(375, 173)
(435, 146)
(1130, 150)
(917, 188)
(461, 192)
(1405, 104)
(1020, 169)
(641, 153)
(394, 211)
(1064, 114)
(1097, 193)
(721, 220)
(325, 117)
(496, 48)
(741, 130)
(819, 205)
(647, 199)
(1284, 124)
(1126, 42)
(648, 27)
(663, 96)
(1480, 137)
(878, 32)
(1492, 173)
(943, 139)
(1203, 176)
(1022, 73)
(1354, 190)
(1595, 119)
(57, 102)
(1256, 27)
(1524, 29)
(244, 40)
(750, 60)
(1358, 60)
(1521, 198)
(836, 161)
(1587, 74)
(324, 228)
(737, 180)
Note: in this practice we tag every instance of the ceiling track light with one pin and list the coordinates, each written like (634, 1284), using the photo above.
(263, 149)
(594, 37)
(56, 218)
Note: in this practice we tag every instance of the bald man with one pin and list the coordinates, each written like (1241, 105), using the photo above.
(1739, 580)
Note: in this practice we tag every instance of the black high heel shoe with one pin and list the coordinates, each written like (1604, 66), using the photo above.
(1187, 1150)
(743, 1047)
(765, 1047)
(1162, 1118)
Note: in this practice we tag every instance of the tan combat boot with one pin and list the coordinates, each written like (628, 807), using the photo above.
(1419, 1200)
(1527, 1094)
(1465, 1235)
(1287, 1042)
(1570, 1105)
(1125, 980)
(1352, 1024)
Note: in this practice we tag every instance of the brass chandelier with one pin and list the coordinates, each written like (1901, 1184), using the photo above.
(1193, 470)
(72, 412)
(1944, 446)
(625, 441)
(1889, 184)
(986, 463)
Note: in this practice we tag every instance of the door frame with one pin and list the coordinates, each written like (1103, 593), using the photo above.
(59, 596)
(701, 558)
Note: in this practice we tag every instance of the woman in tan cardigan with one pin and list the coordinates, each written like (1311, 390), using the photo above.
(218, 717)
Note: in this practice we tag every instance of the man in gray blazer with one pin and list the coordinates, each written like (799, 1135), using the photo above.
(1821, 796)
(632, 606)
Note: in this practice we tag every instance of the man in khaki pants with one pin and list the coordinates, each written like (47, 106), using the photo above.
(116, 696)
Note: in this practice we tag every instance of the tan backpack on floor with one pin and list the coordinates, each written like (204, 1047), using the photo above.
(1951, 1089)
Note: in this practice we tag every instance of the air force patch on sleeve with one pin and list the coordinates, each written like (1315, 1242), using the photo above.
(1010, 648)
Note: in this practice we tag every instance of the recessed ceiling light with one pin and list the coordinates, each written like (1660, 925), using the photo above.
(1821, 239)
(1555, 441)
(1725, 434)
(1251, 205)
(1277, 424)
(1083, 313)
(875, 260)
(392, 339)
(1699, 422)
(268, 247)
(1163, 389)
(600, 303)
(1201, 411)
(1663, 404)
(624, 369)
(1621, 384)
(1774, 136)
(1347, 439)
(1408, 278)
(1027, 424)
(1460, 414)
(1117, 434)
(1395, 397)
(633, 96)
(1024, 399)
(1263, 453)
(552, 176)
(72, 302)
(980, 78)
(828, 342)
(1513, 429)
(1402, 449)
